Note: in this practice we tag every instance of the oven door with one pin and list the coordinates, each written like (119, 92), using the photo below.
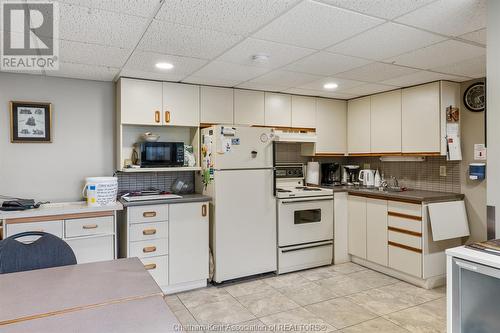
(305, 220)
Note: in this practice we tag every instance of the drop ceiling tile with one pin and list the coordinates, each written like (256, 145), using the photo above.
(239, 17)
(226, 71)
(168, 38)
(386, 40)
(376, 72)
(437, 55)
(86, 72)
(478, 36)
(146, 61)
(138, 74)
(369, 88)
(343, 84)
(325, 63)
(279, 54)
(449, 17)
(100, 27)
(212, 82)
(316, 25)
(92, 54)
(262, 86)
(422, 77)
(387, 9)
(285, 78)
(474, 68)
(144, 8)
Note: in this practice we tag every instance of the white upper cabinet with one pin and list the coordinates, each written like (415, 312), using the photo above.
(249, 107)
(331, 126)
(216, 105)
(278, 110)
(181, 104)
(358, 126)
(386, 122)
(303, 112)
(140, 102)
(421, 117)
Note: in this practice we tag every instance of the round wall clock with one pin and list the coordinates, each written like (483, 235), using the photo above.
(475, 97)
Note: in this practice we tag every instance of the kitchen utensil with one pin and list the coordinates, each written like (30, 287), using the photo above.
(180, 186)
(312, 173)
(150, 137)
(367, 177)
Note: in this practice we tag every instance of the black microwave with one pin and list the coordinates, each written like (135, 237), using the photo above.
(159, 154)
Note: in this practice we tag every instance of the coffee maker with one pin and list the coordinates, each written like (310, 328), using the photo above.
(330, 174)
(350, 175)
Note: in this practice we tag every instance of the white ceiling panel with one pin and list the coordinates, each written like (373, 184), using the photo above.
(86, 72)
(309, 92)
(146, 61)
(92, 54)
(369, 88)
(168, 38)
(261, 86)
(478, 36)
(175, 77)
(226, 71)
(376, 72)
(239, 17)
(422, 77)
(386, 40)
(387, 9)
(100, 27)
(342, 84)
(144, 8)
(475, 67)
(325, 63)
(449, 17)
(440, 54)
(279, 54)
(285, 78)
(316, 25)
(212, 82)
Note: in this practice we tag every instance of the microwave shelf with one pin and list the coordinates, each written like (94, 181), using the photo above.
(166, 169)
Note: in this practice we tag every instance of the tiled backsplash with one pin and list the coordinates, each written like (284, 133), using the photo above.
(139, 181)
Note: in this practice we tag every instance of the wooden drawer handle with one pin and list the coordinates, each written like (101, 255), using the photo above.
(90, 226)
(204, 210)
(149, 214)
(157, 116)
(404, 231)
(149, 249)
(405, 247)
(148, 232)
(149, 266)
(167, 116)
(404, 216)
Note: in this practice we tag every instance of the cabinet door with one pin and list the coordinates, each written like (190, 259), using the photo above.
(376, 231)
(278, 110)
(188, 242)
(92, 249)
(181, 104)
(303, 112)
(358, 125)
(140, 102)
(216, 105)
(386, 122)
(421, 119)
(249, 107)
(357, 226)
(331, 126)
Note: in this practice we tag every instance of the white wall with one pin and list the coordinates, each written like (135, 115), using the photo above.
(82, 137)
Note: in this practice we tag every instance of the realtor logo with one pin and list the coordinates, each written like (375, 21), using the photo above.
(29, 36)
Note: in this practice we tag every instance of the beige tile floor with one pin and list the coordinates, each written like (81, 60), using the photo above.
(344, 298)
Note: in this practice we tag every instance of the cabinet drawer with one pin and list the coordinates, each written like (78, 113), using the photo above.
(92, 249)
(89, 226)
(405, 239)
(149, 248)
(406, 224)
(413, 210)
(52, 227)
(158, 268)
(406, 261)
(152, 213)
(146, 231)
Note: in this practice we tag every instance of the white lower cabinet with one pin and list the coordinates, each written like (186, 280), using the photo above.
(357, 226)
(376, 231)
(158, 268)
(92, 249)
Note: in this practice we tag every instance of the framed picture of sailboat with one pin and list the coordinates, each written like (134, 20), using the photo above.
(30, 122)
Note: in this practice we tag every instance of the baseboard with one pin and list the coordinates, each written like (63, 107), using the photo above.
(177, 288)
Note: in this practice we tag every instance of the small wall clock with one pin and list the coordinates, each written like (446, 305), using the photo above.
(475, 97)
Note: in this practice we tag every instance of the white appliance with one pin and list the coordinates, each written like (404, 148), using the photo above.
(238, 163)
(367, 177)
(305, 221)
(294, 136)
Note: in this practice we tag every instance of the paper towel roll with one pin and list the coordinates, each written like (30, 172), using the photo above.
(312, 173)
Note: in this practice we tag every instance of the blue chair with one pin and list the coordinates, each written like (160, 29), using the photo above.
(47, 251)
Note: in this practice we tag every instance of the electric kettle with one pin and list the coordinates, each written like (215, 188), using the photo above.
(367, 177)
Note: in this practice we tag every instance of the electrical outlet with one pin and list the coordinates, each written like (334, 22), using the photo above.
(442, 170)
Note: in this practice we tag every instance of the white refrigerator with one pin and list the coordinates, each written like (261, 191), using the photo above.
(238, 169)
